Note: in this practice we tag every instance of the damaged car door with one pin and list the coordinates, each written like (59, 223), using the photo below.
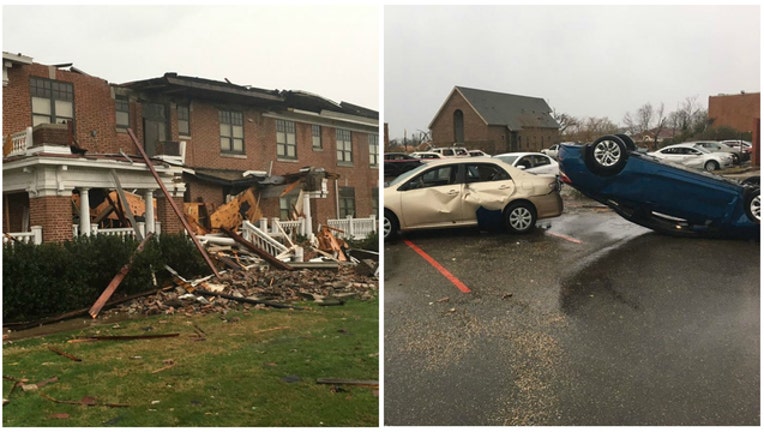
(486, 185)
(432, 199)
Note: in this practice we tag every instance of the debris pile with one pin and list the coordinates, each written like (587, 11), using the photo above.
(258, 287)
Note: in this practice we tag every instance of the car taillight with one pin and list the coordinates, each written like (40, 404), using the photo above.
(565, 178)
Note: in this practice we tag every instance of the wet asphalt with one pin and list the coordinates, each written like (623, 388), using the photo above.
(591, 321)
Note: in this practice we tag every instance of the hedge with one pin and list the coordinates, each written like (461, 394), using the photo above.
(55, 278)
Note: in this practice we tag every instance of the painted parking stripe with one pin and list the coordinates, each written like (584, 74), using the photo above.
(565, 237)
(453, 279)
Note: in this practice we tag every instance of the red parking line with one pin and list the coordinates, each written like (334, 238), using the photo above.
(453, 279)
(565, 237)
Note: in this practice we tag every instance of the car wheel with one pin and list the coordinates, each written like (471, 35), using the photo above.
(520, 217)
(711, 166)
(735, 159)
(752, 181)
(628, 141)
(607, 155)
(390, 225)
(753, 205)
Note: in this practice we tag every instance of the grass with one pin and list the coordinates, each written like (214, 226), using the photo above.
(253, 368)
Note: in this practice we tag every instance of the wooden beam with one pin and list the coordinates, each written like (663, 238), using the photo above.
(106, 294)
(172, 203)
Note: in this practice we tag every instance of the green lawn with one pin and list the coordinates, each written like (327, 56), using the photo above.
(252, 368)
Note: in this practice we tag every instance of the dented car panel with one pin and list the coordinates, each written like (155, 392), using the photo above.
(449, 192)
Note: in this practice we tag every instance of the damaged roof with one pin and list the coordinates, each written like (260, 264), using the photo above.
(192, 87)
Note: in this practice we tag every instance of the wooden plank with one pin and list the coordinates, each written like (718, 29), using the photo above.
(126, 205)
(172, 203)
(106, 294)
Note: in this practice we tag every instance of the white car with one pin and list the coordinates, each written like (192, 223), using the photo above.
(478, 153)
(535, 163)
(552, 151)
(693, 156)
(427, 156)
(451, 151)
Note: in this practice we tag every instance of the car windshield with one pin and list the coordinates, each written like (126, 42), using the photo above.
(398, 180)
(507, 158)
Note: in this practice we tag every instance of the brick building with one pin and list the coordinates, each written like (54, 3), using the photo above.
(741, 112)
(494, 122)
(207, 140)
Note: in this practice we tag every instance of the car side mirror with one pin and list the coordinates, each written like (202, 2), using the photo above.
(522, 167)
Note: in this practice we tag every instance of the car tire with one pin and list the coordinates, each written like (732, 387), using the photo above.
(607, 155)
(735, 159)
(753, 205)
(520, 217)
(711, 165)
(628, 141)
(751, 181)
(390, 225)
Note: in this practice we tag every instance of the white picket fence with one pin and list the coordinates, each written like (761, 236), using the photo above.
(354, 228)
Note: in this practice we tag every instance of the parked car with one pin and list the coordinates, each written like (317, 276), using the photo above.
(690, 155)
(456, 192)
(451, 151)
(715, 146)
(396, 164)
(478, 153)
(536, 163)
(664, 197)
(427, 156)
(745, 148)
(552, 150)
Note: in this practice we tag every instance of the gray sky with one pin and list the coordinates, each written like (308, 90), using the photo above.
(585, 61)
(330, 50)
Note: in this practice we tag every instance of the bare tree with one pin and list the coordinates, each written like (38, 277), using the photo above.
(564, 120)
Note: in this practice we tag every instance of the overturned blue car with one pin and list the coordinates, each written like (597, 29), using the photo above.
(662, 196)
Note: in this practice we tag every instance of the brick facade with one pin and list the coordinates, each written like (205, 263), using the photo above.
(94, 129)
(54, 214)
(493, 139)
(740, 112)
(166, 215)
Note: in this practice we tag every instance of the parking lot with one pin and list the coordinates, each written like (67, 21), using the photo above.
(589, 321)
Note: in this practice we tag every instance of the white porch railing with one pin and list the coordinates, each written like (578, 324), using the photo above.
(34, 236)
(121, 232)
(261, 239)
(354, 228)
(21, 142)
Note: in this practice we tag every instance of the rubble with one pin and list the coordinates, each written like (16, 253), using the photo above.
(261, 284)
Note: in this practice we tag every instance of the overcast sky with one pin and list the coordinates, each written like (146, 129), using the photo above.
(330, 50)
(585, 61)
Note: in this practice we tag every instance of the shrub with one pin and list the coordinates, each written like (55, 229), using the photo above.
(55, 278)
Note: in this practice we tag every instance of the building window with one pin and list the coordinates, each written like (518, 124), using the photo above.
(316, 132)
(374, 150)
(286, 144)
(288, 206)
(231, 132)
(344, 146)
(347, 202)
(123, 111)
(52, 101)
(184, 120)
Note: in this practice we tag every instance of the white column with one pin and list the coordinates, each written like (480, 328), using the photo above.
(84, 211)
(148, 199)
(306, 211)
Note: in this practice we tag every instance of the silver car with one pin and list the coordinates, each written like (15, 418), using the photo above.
(453, 192)
(692, 156)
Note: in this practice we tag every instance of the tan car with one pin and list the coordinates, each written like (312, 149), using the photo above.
(448, 193)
